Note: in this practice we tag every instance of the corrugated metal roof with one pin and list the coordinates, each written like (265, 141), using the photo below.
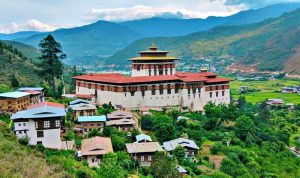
(172, 144)
(82, 106)
(40, 111)
(30, 88)
(77, 101)
(15, 94)
(143, 137)
(147, 147)
(91, 118)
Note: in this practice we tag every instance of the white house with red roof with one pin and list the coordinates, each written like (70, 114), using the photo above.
(41, 123)
(155, 83)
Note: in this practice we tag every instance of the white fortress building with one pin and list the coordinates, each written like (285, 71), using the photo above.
(155, 83)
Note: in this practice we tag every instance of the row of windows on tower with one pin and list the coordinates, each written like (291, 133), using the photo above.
(217, 94)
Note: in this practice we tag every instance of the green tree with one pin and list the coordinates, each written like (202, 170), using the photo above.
(51, 64)
(93, 133)
(14, 82)
(243, 126)
(179, 153)
(163, 166)
(165, 131)
(109, 167)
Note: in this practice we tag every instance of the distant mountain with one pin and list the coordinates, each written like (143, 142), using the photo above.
(95, 40)
(268, 45)
(159, 27)
(22, 34)
(93, 43)
(12, 61)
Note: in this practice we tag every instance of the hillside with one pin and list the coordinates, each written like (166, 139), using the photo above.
(27, 50)
(89, 42)
(92, 43)
(267, 45)
(12, 61)
(159, 27)
(22, 34)
(20, 161)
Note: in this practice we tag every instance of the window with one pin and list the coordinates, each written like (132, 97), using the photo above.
(169, 89)
(40, 134)
(149, 158)
(39, 124)
(199, 90)
(46, 124)
(217, 94)
(24, 124)
(116, 89)
(161, 89)
(93, 160)
(210, 94)
(39, 142)
(153, 90)
(176, 88)
(223, 93)
(223, 87)
(20, 132)
(124, 89)
(57, 123)
(19, 124)
(89, 86)
(210, 88)
(102, 87)
(132, 93)
(142, 158)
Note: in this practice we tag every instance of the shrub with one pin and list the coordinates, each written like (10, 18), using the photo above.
(23, 140)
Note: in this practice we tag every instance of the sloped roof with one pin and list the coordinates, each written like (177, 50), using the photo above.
(120, 122)
(30, 88)
(186, 143)
(15, 94)
(96, 146)
(41, 110)
(119, 114)
(91, 118)
(82, 106)
(116, 78)
(147, 147)
(143, 137)
(78, 101)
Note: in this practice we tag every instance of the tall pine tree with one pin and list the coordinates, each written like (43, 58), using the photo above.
(51, 64)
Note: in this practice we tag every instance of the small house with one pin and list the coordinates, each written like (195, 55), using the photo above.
(37, 94)
(126, 125)
(93, 149)
(87, 123)
(189, 145)
(143, 152)
(13, 102)
(275, 102)
(41, 123)
(288, 90)
(244, 88)
(119, 115)
(81, 107)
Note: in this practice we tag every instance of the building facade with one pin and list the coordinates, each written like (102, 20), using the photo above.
(13, 102)
(155, 83)
(88, 123)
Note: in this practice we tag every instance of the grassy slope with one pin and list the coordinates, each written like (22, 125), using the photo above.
(26, 50)
(21, 161)
(268, 89)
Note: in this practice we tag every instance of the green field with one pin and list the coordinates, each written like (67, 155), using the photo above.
(267, 90)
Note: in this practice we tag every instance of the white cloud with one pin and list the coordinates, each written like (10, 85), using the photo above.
(142, 11)
(30, 25)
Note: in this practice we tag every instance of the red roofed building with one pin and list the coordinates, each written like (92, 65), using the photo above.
(155, 83)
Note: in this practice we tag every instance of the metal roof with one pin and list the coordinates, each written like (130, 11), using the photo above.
(172, 144)
(92, 118)
(30, 88)
(147, 147)
(15, 94)
(143, 137)
(82, 106)
(77, 101)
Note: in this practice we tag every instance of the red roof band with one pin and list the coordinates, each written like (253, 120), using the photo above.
(116, 78)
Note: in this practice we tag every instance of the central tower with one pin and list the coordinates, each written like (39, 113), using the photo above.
(153, 62)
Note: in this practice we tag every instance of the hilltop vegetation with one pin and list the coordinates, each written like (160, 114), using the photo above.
(22, 161)
(14, 62)
(267, 45)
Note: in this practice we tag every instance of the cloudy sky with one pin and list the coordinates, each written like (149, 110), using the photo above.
(46, 15)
